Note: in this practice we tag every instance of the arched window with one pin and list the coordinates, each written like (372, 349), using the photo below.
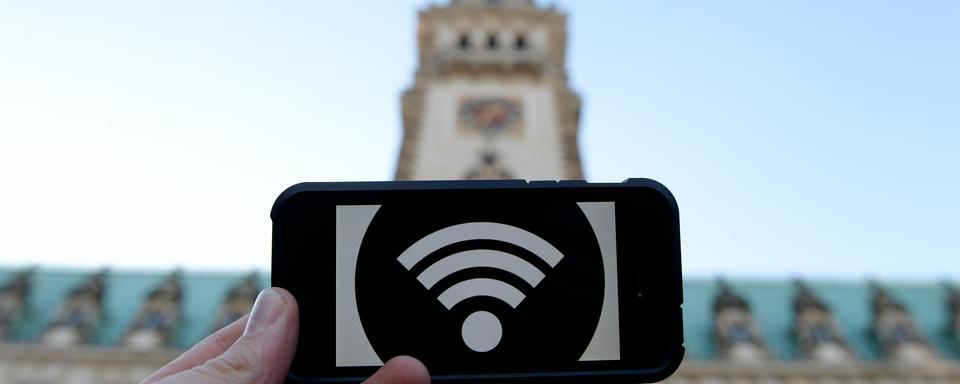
(492, 41)
(464, 41)
(521, 42)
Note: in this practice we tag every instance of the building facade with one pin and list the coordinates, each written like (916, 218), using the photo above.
(80, 327)
(737, 331)
(491, 100)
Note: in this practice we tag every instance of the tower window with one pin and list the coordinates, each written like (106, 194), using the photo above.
(521, 42)
(464, 41)
(492, 41)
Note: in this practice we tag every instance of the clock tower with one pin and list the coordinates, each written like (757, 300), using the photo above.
(490, 99)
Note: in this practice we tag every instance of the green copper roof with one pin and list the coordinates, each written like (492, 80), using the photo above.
(771, 302)
(124, 295)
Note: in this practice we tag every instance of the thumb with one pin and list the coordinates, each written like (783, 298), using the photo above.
(401, 370)
(262, 355)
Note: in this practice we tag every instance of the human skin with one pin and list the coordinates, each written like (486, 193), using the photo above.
(258, 349)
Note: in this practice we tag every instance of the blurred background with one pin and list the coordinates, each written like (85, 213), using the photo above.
(812, 147)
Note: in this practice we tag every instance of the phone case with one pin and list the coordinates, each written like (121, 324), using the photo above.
(484, 281)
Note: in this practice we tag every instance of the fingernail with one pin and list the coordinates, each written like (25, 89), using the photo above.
(266, 311)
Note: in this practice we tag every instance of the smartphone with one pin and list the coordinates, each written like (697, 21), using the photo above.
(483, 281)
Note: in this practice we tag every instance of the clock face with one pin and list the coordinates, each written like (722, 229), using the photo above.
(490, 115)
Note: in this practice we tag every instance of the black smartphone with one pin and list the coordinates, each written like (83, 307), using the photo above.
(483, 281)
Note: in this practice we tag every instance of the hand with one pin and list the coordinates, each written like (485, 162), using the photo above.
(258, 349)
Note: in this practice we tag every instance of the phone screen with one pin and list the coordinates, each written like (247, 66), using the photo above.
(482, 280)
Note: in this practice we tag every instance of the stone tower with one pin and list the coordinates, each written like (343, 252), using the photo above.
(490, 99)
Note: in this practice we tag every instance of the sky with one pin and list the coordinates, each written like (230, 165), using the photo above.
(810, 138)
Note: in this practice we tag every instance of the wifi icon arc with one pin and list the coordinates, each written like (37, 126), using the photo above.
(481, 330)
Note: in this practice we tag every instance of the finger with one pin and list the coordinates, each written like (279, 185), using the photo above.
(401, 370)
(210, 347)
(262, 355)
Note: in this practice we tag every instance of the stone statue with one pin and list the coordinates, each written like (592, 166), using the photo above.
(79, 315)
(239, 301)
(817, 333)
(159, 318)
(953, 308)
(13, 302)
(488, 169)
(895, 330)
(736, 332)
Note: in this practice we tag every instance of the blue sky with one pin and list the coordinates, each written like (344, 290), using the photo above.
(801, 138)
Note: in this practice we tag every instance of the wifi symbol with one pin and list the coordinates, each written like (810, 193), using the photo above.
(481, 330)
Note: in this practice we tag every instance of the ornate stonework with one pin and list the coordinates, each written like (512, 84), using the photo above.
(736, 332)
(722, 329)
(488, 168)
(953, 308)
(895, 329)
(818, 336)
(159, 317)
(13, 303)
(507, 58)
(79, 315)
(239, 301)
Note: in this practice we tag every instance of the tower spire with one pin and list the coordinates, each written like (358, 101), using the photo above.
(491, 84)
